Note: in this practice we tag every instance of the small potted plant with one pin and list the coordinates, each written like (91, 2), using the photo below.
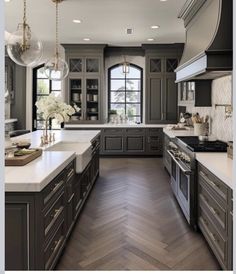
(112, 115)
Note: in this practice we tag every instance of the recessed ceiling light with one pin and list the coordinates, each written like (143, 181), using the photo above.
(77, 21)
(155, 27)
(7, 1)
(163, 0)
(86, 39)
(150, 39)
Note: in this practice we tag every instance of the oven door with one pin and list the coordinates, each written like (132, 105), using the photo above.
(183, 191)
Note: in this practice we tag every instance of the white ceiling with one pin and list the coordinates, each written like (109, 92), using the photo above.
(104, 21)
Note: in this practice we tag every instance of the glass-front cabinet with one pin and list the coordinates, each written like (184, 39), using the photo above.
(85, 81)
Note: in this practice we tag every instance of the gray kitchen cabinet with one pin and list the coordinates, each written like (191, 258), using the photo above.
(132, 141)
(166, 156)
(214, 207)
(154, 141)
(161, 89)
(38, 224)
(85, 81)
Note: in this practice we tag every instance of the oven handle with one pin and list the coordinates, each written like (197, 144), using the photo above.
(185, 171)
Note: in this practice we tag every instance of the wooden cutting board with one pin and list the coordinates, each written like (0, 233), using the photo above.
(22, 160)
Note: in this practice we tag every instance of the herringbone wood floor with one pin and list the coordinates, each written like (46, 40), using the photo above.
(131, 221)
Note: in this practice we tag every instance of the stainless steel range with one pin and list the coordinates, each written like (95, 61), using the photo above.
(183, 171)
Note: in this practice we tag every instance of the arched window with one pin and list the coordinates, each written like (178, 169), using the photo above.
(125, 92)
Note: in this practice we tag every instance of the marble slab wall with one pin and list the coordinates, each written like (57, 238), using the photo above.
(221, 127)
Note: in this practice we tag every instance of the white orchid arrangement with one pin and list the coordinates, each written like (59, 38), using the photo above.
(53, 107)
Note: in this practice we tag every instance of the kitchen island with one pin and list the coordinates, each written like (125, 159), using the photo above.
(44, 199)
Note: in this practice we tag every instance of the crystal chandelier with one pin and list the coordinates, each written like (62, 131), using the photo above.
(22, 46)
(56, 68)
(125, 66)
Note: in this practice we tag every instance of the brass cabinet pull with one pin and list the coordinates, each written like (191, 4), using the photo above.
(54, 214)
(56, 243)
(208, 180)
(213, 237)
(57, 185)
(215, 211)
(70, 174)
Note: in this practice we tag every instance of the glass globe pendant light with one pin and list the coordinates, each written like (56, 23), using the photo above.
(56, 68)
(22, 46)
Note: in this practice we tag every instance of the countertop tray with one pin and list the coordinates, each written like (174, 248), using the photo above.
(23, 160)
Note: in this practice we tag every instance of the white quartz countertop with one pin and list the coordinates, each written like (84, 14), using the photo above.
(173, 133)
(219, 164)
(34, 176)
(61, 136)
(37, 174)
(114, 125)
(9, 121)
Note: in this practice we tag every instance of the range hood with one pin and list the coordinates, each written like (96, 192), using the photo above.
(208, 47)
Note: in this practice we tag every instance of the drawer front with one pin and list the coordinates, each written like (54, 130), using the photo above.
(70, 172)
(154, 131)
(53, 249)
(217, 213)
(216, 242)
(134, 131)
(112, 131)
(54, 213)
(214, 184)
(49, 193)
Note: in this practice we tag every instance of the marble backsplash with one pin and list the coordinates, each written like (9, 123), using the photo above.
(220, 127)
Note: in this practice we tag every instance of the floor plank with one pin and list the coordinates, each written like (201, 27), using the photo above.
(131, 221)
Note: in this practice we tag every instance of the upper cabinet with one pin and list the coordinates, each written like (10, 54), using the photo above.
(85, 81)
(161, 89)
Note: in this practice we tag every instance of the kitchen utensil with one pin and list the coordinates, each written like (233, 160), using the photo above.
(200, 129)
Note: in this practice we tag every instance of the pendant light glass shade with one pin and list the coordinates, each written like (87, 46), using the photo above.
(22, 45)
(56, 68)
(125, 66)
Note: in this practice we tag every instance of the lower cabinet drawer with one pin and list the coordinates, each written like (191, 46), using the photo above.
(54, 213)
(213, 184)
(214, 239)
(54, 246)
(49, 193)
(216, 212)
(134, 131)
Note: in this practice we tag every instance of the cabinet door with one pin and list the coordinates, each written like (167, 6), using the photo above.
(16, 236)
(113, 144)
(76, 96)
(76, 65)
(92, 87)
(92, 65)
(154, 112)
(135, 144)
(170, 98)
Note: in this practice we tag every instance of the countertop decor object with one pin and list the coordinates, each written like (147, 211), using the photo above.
(22, 46)
(53, 107)
(24, 158)
(56, 68)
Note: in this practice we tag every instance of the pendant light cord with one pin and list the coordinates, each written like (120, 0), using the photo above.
(57, 19)
(24, 46)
